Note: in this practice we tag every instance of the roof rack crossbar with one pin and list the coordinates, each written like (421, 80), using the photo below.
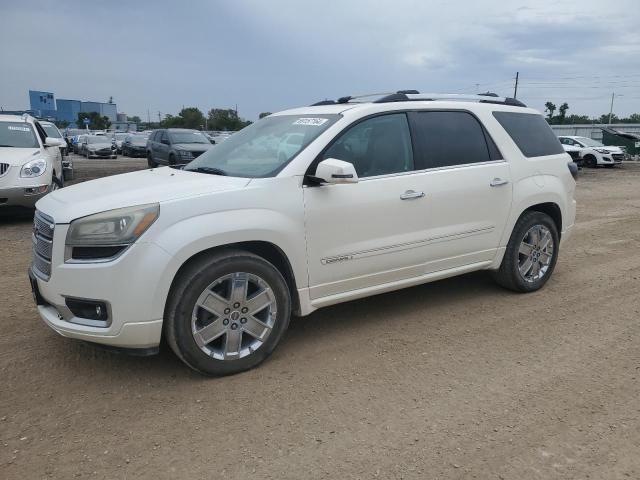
(414, 95)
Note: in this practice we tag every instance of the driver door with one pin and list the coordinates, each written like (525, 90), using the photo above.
(367, 233)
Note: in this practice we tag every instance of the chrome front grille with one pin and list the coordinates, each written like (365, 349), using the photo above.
(4, 168)
(42, 237)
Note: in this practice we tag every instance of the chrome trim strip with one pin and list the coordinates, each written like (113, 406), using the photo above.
(403, 246)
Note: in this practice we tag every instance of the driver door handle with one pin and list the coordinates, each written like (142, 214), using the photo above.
(496, 182)
(411, 194)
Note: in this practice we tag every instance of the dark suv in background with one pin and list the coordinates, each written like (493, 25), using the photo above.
(175, 146)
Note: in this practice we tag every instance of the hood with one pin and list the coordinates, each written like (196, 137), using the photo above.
(193, 147)
(18, 156)
(99, 146)
(130, 189)
(610, 149)
(571, 148)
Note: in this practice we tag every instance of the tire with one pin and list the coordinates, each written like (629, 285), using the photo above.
(590, 161)
(216, 272)
(516, 257)
(172, 159)
(88, 155)
(56, 183)
(150, 161)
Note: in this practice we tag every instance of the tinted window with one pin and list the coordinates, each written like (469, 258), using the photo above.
(530, 132)
(164, 137)
(444, 139)
(377, 146)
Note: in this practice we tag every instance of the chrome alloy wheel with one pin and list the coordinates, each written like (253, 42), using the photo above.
(535, 253)
(234, 316)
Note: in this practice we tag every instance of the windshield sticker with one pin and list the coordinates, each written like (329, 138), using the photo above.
(20, 129)
(314, 122)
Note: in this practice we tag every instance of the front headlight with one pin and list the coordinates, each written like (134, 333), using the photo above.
(114, 227)
(34, 168)
(601, 150)
(185, 154)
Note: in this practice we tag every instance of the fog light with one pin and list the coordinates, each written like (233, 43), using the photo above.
(36, 190)
(88, 309)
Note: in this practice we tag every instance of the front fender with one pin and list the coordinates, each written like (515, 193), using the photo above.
(194, 235)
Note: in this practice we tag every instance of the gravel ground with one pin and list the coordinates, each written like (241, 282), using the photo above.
(456, 379)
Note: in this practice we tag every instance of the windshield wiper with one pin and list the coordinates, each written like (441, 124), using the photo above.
(209, 170)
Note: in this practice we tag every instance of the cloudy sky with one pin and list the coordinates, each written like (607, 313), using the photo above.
(271, 55)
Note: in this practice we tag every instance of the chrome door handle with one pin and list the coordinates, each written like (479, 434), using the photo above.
(410, 194)
(496, 182)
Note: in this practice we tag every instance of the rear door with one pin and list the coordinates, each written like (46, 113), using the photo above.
(162, 147)
(467, 185)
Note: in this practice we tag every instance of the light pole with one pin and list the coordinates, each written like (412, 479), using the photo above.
(613, 95)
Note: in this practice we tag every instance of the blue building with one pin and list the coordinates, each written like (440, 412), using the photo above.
(108, 110)
(68, 110)
(42, 103)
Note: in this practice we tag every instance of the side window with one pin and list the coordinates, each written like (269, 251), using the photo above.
(445, 139)
(530, 132)
(566, 141)
(164, 138)
(376, 146)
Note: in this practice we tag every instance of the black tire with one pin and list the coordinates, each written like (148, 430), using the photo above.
(192, 282)
(150, 161)
(88, 155)
(55, 181)
(172, 159)
(590, 161)
(508, 275)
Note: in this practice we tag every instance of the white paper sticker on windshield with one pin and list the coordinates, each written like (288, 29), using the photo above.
(310, 121)
(20, 129)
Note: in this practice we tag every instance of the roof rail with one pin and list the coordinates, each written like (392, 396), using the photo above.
(414, 95)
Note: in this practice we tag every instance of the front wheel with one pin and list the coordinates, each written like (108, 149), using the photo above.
(150, 161)
(531, 253)
(590, 161)
(227, 313)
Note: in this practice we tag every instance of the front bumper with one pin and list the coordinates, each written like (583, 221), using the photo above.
(18, 197)
(127, 285)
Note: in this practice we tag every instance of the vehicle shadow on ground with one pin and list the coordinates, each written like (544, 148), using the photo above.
(323, 327)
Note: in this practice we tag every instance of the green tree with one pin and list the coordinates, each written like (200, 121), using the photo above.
(135, 119)
(563, 112)
(190, 117)
(633, 118)
(550, 108)
(96, 122)
(604, 118)
(61, 123)
(578, 120)
(225, 119)
(264, 114)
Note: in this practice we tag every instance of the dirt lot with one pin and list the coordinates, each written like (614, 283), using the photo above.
(456, 379)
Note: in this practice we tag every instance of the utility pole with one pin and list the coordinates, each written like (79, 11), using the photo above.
(159, 118)
(148, 119)
(613, 95)
(515, 89)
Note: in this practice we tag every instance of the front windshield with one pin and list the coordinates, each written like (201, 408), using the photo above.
(265, 147)
(18, 135)
(99, 139)
(188, 137)
(120, 136)
(589, 142)
(138, 139)
(51, 131)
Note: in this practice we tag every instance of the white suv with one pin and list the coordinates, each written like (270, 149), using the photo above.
(593, 153)
(30, 162)
(381, 195)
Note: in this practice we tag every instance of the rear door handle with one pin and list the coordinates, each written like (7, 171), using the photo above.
(496, 182)
(411, 194)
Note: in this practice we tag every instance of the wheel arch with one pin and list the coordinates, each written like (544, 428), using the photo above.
(264, 249)
(550, 208)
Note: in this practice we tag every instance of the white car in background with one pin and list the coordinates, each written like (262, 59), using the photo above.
(30, 162)
(593, 153)
(216, 255)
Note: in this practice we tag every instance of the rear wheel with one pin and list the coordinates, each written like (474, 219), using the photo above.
(56, 183)
(227, 313)
(531, 253)
(150, 161)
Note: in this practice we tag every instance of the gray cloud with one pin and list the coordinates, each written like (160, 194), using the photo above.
(266, 56)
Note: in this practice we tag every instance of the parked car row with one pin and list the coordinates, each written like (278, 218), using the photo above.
(591, 153)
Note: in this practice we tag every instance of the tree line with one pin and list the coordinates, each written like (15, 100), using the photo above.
(216, 119)
(563, 119)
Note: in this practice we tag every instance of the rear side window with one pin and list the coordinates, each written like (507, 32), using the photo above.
(445, 139)
(531, 133)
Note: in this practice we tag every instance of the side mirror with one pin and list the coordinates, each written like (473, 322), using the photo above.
(333, 170)
(52, 142)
